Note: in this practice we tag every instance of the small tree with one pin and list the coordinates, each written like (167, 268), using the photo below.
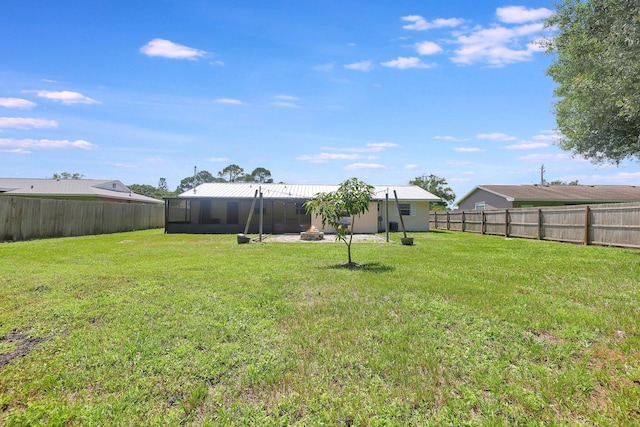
(350, 199)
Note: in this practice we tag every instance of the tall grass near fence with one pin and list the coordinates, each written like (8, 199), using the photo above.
(145, 328)
(604, 225)
(24, 218)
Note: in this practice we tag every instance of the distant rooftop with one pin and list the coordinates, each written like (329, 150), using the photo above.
(585, 193)
(105, 189)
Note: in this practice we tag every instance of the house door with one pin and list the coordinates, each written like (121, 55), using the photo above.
(232, 212)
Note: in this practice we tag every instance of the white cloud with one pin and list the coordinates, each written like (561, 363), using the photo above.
(526, 146)
(65, 97)
(404, 63)
(498, 45)
(17, 103)
(358, 166)
(46, 143)
(324, 67)
(285, 101)
(521, 14)
(418, 23)
(468, 150)
(496, 136)
(360, 66)
(450, 138)
(168, 49)
(379, 146)
(16, 151)
(26, 123)
(411, 166)
(218, 159)
(323, 157)
(284, 104)
(229, 101)
(549, 158)
(286, 97)
(548, 136)
(373, 147)
(428, 48)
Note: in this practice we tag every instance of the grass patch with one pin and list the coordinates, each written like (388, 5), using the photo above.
(459, 329)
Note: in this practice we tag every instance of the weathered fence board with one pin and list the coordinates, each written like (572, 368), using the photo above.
(25, 218)
(605, 225)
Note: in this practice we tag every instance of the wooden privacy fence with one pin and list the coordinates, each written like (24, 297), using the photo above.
(605, 225)
(24, 218)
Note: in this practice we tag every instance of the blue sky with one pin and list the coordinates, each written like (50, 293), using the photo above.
(316, 91)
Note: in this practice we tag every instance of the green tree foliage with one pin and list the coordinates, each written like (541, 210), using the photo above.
(261, 175)
(352, 198)
(231, 173)
(67, 175)
(597, 72)
(162, 185)
(438, 187)
(560, 182)
(150, 191)
(190, 182)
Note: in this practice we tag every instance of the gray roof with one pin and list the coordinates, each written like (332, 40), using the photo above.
(109, 189)
(563, 193)
(238, 190)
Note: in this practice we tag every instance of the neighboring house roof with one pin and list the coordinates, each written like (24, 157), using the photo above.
(238, 190)
(61, 188)
(562, 193)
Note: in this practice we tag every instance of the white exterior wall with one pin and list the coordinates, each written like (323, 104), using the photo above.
(417, 222)
(366, 223)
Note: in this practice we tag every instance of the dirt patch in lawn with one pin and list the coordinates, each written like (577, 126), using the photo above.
(19, 344)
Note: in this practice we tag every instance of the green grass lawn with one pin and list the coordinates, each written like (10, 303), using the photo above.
(146, 328)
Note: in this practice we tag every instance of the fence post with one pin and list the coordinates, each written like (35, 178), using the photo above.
(482, 219)
(587, 209)
(463, 218)
(506, 223)
(448, 226)
(539, 224)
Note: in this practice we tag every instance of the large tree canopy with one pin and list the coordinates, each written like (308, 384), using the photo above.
(233, 172)
(191, 182)
(597, 70)
(438, 187)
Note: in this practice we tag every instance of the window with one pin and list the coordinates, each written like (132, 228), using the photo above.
(406, 209)
(480, 206)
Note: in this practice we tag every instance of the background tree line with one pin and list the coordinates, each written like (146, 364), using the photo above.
(231, 173)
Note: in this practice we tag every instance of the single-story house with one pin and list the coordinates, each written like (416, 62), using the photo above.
(486, 197)
(99, 190)
(225, 207)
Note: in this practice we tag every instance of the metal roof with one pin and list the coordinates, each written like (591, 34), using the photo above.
(569, 193)
(32, 187)
(240, 190)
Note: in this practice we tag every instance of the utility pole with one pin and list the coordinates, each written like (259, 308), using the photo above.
(195, 174)
(542, 171)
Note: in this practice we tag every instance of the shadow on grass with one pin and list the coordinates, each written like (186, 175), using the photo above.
(374, 267)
